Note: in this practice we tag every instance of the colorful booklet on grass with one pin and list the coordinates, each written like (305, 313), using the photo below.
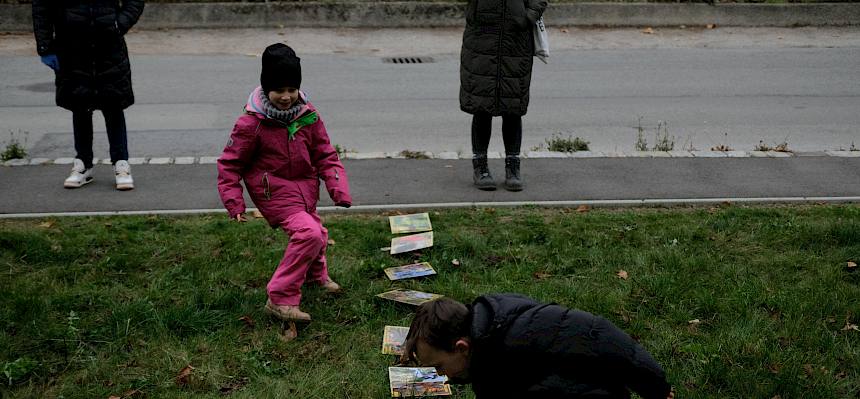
(411, 242)
(413, 223)
(409, 271)
(393, 339)
(409, 382)
(409, 296)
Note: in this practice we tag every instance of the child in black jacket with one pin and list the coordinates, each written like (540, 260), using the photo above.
(509, 346)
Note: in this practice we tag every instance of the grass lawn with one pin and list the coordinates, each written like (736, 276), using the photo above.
(94, 307)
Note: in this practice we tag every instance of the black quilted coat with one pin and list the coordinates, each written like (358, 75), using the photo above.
(496, 58)
(525, 349)
(87, 37)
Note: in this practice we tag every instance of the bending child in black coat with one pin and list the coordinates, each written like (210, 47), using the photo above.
(509, 346)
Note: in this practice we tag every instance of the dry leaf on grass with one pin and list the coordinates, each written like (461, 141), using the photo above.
(385, 249)
(46, 225)
(541, 275)
(290, 333)
(331, 242)
(257, 214)
(583, 208)
(247, 320)
(694, 322)
(648, 31)
(455, 262)
(234, 385)
(851, 265)
(622, 274)
(850, 327)
(114, 397)
(184, 375)
(808, 369)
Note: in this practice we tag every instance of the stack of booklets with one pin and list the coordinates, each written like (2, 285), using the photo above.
(393, 339)
(409, 271)
(417, 381)
(415, 223)
(409, 297)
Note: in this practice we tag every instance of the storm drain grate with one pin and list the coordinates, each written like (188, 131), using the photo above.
(45, 87)
(408, 60)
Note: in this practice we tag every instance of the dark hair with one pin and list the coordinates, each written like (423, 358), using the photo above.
(440, 324)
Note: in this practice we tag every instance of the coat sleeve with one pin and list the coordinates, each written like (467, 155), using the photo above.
(577, 349)
(619, 354)
(128, 15)
(534, 10)
(331, 170)
(44, 12)
(237, 156)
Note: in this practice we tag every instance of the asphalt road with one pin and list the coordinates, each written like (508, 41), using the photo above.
(807, 94)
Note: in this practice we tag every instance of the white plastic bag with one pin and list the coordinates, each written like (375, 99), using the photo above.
(541, 40)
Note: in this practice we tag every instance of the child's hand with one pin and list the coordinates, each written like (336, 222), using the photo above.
(241, 218)
(671, 394)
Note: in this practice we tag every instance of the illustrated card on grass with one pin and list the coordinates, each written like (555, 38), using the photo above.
(413, 223)
(411, 242)
(408, 382)
(409, 296)
(409, 271)
(393, 339)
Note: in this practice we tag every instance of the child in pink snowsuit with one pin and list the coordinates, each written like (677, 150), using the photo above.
(280, 149)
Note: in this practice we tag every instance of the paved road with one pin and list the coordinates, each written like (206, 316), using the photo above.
(386, 182)
(751, 87)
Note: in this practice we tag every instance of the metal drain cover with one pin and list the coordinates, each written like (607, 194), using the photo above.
(45, 87)
(408, 60)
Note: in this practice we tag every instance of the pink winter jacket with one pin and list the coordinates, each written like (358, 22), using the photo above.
(281, 173)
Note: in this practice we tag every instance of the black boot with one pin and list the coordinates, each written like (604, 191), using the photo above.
(512, 174)
(482, 177)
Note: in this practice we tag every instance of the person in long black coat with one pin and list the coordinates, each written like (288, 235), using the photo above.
(495, 76)
(510, 346)
(82, 41)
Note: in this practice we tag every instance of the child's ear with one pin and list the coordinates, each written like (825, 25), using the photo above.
(462, 345)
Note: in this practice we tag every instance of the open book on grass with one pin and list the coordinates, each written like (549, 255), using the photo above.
(411, 242)
(413, 223)
(408, 382)
(409, 296)
(409, 271)
(393, 339)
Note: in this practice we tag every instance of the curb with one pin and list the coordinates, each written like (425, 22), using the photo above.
(450, 155)
(418, 14)
(645, 202)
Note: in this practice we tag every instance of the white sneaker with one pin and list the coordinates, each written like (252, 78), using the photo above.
(80, 175)
(122, 170)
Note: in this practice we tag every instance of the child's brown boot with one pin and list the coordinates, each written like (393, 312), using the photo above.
(331, 287)
(287, 312)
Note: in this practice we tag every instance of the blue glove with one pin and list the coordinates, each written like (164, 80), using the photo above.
(51, 61)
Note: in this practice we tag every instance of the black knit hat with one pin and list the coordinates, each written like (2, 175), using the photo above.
(281, 68)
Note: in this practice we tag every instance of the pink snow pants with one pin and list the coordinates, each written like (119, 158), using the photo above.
(304, 259)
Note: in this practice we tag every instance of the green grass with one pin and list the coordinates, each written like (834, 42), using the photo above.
(94, 307)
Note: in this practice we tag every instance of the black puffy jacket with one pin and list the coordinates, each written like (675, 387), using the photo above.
(496, 58)
(87, 37)
(524, 349)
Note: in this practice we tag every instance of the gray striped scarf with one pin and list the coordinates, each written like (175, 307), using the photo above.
(285, 116)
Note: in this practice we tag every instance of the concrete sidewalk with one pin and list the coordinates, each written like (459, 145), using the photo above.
(401, 184)
(417, 14)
